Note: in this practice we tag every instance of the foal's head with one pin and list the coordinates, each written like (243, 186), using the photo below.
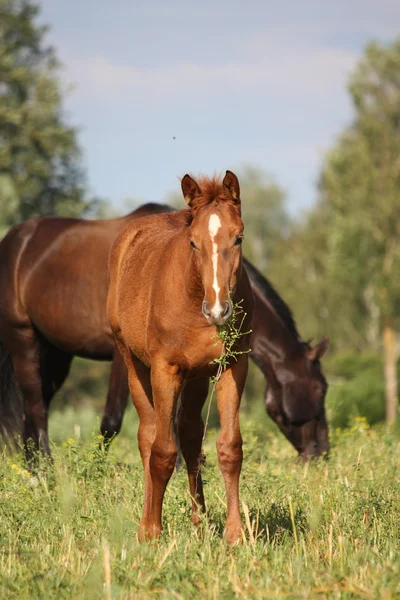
(216, 235)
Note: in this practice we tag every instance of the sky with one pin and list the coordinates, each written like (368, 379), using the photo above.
(165, 87)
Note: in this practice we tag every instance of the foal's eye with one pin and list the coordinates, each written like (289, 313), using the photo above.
(193, 245)
(238, 241)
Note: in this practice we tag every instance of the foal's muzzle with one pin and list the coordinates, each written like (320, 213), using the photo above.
(218, 314)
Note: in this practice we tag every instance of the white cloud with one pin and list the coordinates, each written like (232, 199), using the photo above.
(312, 70)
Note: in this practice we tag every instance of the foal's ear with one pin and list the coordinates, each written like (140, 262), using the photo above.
(231, 185)
(317, 351)
(190, 189)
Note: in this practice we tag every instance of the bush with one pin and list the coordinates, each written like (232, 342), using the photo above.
(357, 388)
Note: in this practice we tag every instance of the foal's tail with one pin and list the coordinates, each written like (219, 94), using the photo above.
(11, 407)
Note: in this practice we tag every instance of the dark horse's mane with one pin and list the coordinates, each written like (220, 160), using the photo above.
(279, 306)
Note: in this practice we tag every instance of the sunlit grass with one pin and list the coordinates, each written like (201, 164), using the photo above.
(322, 530)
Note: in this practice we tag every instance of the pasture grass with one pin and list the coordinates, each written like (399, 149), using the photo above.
(329, 529)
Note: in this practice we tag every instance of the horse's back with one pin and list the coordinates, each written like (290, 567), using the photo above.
(53, 272)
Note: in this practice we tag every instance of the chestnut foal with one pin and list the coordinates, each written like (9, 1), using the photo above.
(173, 278)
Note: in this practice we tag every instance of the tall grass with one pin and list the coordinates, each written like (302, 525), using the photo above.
(321, 530)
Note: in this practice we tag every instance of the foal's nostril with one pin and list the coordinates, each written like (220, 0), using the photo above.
(227, 310)
(218, 314)
(205, 310)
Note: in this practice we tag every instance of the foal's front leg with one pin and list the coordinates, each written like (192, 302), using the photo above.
(166, 383)
(140, 388)
(229, 442)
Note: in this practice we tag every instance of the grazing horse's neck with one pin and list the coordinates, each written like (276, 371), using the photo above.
(272, 342)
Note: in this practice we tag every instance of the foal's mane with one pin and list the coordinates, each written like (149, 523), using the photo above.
(211, 190)
(279, 305)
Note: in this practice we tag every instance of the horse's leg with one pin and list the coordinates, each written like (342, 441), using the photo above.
(54, 369)
(229, 442)
(166, 383)
(24, 349)
(141, 393)
(117, 399)
(190, 434)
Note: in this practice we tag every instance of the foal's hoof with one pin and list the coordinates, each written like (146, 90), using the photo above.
(148, 533)
(233, 534)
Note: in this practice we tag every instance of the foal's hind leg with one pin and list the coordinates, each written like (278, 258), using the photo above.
(190, 433)
(117, 398)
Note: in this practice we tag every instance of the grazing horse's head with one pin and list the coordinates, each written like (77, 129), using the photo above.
(216, 234)
(297, 402)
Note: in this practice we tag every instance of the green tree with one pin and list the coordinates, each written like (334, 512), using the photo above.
(266, 224)
(40, 169)
(361, 183)
(339, 267)
(264, 214)
(307, 269)
(297, 268)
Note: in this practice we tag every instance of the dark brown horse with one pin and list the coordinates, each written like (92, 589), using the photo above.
(295, 396)
(174, 280)
(53, 282)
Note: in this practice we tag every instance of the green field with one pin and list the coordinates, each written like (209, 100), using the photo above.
(324, 530)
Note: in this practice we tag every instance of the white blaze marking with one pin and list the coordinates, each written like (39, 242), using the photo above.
(213, 226)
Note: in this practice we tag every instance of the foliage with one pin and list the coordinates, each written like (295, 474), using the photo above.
(40, 171)
(86, 385)
(60, 537)
(229, 335)
(361, 182)
(339, 267)
(357, 388)
(264, 214)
